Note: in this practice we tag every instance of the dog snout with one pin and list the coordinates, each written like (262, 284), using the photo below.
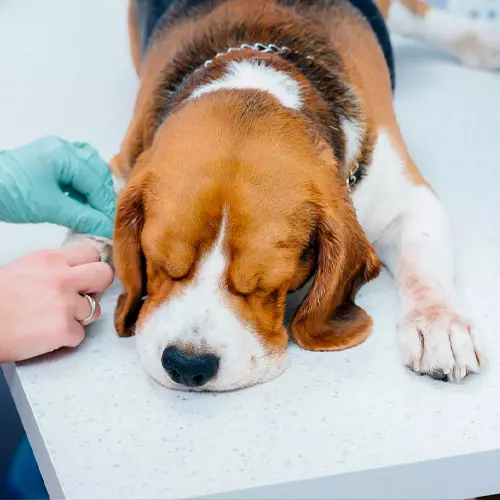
(190, 370)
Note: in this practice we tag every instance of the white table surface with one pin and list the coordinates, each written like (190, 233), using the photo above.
(340, 425)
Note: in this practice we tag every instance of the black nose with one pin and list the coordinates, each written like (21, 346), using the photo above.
(191, 370)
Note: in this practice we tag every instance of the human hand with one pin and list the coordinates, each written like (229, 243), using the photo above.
(34, 178)
(41, 302)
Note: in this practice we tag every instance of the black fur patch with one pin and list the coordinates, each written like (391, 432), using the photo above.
(153, 14)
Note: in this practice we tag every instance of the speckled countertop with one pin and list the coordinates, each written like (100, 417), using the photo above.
(345, 425)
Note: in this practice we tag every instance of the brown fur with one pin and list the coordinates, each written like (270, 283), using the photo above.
(178, 220)
(366, 69)
(160, 58)
(285, 186)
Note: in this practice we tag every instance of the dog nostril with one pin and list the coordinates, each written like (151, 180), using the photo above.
(175, 375)
(191, 370)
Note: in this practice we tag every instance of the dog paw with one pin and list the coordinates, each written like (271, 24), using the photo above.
(481, 48)
(103, 245)
(439, 342)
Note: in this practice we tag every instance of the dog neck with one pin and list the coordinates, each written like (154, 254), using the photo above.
(311, 84)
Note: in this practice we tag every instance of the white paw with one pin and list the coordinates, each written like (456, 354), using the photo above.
(103, 245)
(481, 47)
(439, 342)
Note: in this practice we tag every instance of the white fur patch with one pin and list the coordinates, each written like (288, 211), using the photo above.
(118, 184)
(384, 191)
(411, 232)
(258, 76)
(353, 136)
(201, 316)
(475, 43)
(436, 340)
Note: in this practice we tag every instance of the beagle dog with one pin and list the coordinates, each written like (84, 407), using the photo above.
(264, 155)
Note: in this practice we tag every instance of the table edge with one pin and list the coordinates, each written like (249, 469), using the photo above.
(462, 476)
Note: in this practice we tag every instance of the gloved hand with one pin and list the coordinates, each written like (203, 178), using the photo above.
(52, 180)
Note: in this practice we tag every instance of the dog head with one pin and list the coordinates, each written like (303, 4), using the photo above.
(232, 207)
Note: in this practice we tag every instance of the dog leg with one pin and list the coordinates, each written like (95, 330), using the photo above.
(475, 42)
(103, 245)
(411, 234)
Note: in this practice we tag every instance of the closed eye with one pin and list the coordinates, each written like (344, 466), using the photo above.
(237, 292)
(175, 272)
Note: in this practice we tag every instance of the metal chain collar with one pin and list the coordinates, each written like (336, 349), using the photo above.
(259, 47)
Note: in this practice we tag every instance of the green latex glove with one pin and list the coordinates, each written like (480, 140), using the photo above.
(52, 180)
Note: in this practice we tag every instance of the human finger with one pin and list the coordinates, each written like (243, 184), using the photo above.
(76, 334)
(95, 277)
(87, 173)
(81, 218)
(79, 254)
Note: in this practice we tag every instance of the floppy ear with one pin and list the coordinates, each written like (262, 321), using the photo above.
(328, 319)
(129, 259)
